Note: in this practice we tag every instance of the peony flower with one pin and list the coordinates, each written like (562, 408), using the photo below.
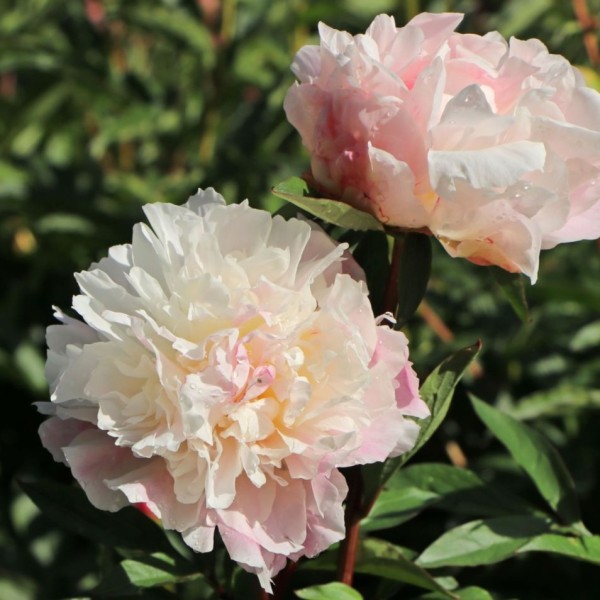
(227, 363)
(493, 147)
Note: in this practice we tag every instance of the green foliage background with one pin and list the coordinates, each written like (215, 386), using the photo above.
(108, 105)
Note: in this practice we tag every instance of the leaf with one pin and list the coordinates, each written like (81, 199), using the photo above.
(587, 338)
(139, 121)
(64, 223)
(329, 591)
(384, 560)
(394, 507)
(371, 253)
(468, 593)
(296, 191)
(145, 572)
(30, 365)
(456, 489)
(71, 509)
(537, 457)
(177, 23)
(437, 392)
(513, 288)
(586, 548)
(516, 17)
(13, 181)
(26, 141)
(482, 542)
(559, 401)
(414, 270)
(474, 593)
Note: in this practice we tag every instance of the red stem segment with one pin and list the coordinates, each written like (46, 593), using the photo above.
(354, 509)
(349, 545)
(390, 299)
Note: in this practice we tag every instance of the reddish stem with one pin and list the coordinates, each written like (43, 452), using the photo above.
(390, 299)
(282, 581)
(589, 27)
(263, 595)
(349, 545)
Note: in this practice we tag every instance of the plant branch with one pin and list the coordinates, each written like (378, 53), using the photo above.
(589, 28)
(390, 298)
(349, 545)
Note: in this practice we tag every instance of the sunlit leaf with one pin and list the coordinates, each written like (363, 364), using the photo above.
(396, 506)
(64, 223)
(30, 364)
(149, 571)
(329, 591)
(437, 392)
(586, 548)
(457, 489)
(482, 542)
(537, 458)
(296, 191)
(468, 593)
(385, 560)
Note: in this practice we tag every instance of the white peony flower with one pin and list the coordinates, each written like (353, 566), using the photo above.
(226, 365)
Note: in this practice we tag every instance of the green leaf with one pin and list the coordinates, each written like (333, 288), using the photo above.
(537, 457)
(26, 141)
(64, 223)
(587, 338)
(513, 288)
(177, 23)
(394, 507)
(296, 191)
(149, 571)
(71, 509)
(474, 593)
(586, 548)
(482, 542)
(13, 181)
(437, 392)
(329, 591)
(385, 560)
(468, 593)
(414, 269)
(139, 121)
(516, 17)
(30, 365)
(559, 401)
(371, 253)
(456, 489)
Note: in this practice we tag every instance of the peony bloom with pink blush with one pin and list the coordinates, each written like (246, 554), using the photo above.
(492, 146)
(222, 368)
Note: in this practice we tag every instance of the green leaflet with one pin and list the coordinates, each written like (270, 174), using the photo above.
(296, 191)
(538, 459)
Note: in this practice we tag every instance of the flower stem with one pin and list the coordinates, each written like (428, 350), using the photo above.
(263, 594)
(349, 545)
(282, 580)
(589, 29)
(390, 299)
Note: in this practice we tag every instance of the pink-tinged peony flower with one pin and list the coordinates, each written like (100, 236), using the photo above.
(492, 146)
(226, 365)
